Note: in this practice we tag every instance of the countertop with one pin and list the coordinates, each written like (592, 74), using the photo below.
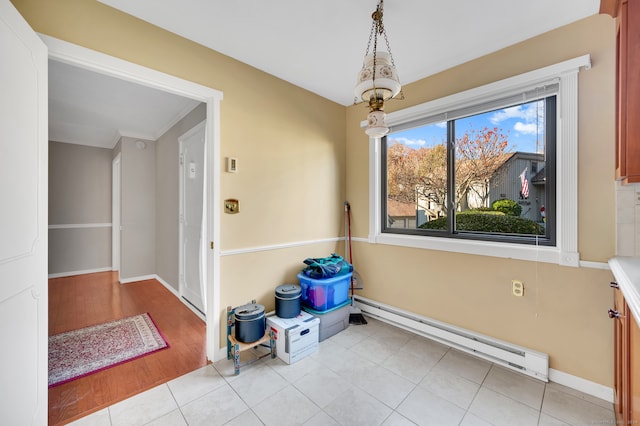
(626, 270)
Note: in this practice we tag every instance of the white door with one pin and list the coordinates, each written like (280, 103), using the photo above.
(23, 221)
(192, 175)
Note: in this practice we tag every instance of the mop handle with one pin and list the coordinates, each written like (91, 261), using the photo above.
(348, 208)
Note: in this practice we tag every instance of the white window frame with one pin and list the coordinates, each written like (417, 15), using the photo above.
(565, 252)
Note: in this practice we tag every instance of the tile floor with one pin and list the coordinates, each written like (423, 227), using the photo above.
(372, 374)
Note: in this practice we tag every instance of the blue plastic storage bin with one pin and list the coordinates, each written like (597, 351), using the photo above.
(324, 294)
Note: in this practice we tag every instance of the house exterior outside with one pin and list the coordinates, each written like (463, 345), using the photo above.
(507, 183)
(403, 215)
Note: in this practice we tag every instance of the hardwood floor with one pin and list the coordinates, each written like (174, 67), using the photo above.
(84, 300)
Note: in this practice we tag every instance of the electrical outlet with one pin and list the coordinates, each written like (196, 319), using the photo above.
(517, 288)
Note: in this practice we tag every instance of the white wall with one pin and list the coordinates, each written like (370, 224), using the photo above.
(627, 220)
(138, 207)
(79, 208)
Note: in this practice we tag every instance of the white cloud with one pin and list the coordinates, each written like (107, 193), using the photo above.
(529, 121)
(513, 112)
(526, 128)
(412, 143)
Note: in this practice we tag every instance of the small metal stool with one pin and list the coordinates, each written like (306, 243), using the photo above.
(234, 347)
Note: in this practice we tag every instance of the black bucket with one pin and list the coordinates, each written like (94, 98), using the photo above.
(288, 300)
(250, 323)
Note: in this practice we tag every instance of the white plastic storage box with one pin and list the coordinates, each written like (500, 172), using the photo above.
(332, 321)
(295, 337)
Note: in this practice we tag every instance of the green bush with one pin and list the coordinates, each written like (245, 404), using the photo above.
(481, 210)
(439, 223)
(508, 207)
(496, 223)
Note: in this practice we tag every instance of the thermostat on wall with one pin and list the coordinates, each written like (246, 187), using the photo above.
(232, 164)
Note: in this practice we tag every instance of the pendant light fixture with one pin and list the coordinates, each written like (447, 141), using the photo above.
(378, 79)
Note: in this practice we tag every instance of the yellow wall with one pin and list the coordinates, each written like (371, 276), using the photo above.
(299, 155)
(563, 312)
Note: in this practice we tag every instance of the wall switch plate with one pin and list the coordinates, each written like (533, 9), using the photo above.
(232, 165)
(517, 288)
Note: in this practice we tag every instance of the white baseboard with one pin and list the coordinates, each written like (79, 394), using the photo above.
(167, 285)
(139, 278)
(175, 293)
(85, 271)
(582, 385)
(220, 354)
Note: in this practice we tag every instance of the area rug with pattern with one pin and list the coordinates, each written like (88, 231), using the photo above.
(78, 353)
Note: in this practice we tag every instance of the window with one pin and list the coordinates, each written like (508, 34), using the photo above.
(490, 171)
(475, 176)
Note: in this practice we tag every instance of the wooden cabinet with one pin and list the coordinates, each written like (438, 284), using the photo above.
(627, 14)
(626, 362)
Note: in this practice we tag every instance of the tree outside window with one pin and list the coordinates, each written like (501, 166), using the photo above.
(483, 175)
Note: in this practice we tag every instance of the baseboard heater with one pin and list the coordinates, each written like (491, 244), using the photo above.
(518, 358)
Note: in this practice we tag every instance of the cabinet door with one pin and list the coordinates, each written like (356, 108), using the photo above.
(634, 372)
(621, 92)
(621, 359)
(628, 92)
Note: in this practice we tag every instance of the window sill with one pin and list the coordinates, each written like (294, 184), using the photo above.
(482, 248)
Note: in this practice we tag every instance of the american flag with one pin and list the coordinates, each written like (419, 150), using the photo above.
(524, 188)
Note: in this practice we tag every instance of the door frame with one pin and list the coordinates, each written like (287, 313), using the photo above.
(116, 168)
(92, 60)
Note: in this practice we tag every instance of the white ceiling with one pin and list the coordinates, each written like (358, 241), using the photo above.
(318, 45)
(89, 108)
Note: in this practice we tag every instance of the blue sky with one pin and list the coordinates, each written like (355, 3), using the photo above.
(519, 123)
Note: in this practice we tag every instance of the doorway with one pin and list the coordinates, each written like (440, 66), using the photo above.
(100, 63)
